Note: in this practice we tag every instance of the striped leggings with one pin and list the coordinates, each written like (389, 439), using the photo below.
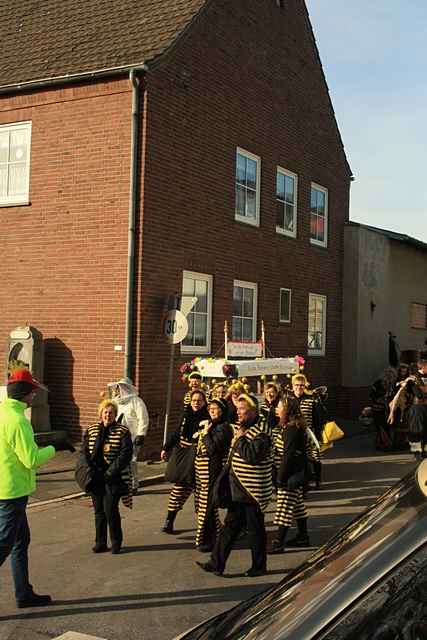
(290, 505)
(179, 496)
(208, 522)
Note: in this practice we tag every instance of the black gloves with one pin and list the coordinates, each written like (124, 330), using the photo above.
(139, 441)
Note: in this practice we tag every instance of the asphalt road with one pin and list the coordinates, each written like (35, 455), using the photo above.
(154, 590)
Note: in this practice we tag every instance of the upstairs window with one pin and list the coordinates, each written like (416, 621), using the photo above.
(286, 203)
(285, 305)
(418, 316)
(319, 216)
(15, 163)
(247, 187)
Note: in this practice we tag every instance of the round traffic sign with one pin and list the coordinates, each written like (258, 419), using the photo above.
(176, 326)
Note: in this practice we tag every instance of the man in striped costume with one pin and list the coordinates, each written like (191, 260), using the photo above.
(310, 410)
(250, 462)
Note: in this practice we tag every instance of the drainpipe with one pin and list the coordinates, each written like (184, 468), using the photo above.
(133, 204)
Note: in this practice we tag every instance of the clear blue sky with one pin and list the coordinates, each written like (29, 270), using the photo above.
(374, 55)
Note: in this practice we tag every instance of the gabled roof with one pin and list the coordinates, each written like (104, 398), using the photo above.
(391, 235)
(44, 39)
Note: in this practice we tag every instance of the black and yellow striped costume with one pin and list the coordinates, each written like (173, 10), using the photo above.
(180, 492)
(307, 405)
(256, 479)
(111, 448)
(290, 503)
(212, 450)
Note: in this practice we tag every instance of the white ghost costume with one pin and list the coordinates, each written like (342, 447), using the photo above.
(133, 414)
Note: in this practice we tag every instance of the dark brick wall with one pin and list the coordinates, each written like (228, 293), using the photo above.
(247, 75)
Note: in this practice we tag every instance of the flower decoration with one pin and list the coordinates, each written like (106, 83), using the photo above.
(187, 368)
(299, 360)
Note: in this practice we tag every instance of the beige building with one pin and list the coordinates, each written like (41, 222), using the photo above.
(385, 290)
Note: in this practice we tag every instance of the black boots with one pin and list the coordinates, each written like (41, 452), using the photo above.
(301, 539)
(317, 467)
(168, 526)
(278, 545)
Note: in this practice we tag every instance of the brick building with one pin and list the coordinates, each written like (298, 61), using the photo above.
(204, 131)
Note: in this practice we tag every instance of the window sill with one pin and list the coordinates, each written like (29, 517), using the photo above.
(247, 221)
(320, 245)
(316, 354)
(24, 203)
(286, 234)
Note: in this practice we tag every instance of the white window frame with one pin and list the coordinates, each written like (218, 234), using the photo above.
(254, 287)
(205, 277)
(281, 230)
(21, 199)
(237, 216)
(289, 291)
(322, 351)
(313, 241)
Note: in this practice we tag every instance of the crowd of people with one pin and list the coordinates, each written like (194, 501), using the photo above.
(229, 450)
(233, 453)
(399, 408)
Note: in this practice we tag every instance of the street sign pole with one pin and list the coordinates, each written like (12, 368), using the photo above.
(175, 329)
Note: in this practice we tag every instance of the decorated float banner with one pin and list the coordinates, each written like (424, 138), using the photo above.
(213, 367)
(245, 349)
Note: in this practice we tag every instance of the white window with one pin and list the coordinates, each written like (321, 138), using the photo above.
(198, 339)
(244, 311)
(316, 324)
(248, 168)
(319, 216)
(15, 163)
(285, 305)
(286, 203)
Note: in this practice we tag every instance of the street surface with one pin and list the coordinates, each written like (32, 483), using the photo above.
(153, 590)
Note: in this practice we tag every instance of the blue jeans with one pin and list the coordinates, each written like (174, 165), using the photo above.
(14, 541)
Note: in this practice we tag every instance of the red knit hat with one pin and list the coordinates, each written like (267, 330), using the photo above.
(23, 375)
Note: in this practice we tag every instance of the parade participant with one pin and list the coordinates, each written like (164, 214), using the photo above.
(107, 453)
(291, 461)
(212, 449)
(234, 392)
(194, 384)
(249, 464)
(417, 385)
(310, 411)
(133, 414)
(268, 412)
(219, 391)
(19, 459)
(381, 393)
(181, 464)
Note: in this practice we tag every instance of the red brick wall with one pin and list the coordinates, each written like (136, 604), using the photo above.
(247, 75)
(65, 255)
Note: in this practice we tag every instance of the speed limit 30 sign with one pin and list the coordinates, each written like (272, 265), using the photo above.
(175, 327)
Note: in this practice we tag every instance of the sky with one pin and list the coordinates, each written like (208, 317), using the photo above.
(374, 55)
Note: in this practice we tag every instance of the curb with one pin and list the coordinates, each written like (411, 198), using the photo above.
(146, 482)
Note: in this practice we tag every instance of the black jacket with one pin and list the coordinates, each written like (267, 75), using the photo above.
(294, 456)
(217, 444)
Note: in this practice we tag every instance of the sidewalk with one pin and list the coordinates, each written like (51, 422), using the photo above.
(55, 479)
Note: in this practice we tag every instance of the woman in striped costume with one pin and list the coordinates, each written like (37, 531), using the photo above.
(309, 408)
(291, 460)
(249, 461)
(107, 449)
(268, 412)
(194, 384)
(183, 471)
(212, 448)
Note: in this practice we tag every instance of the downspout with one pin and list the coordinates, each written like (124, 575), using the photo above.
(133, 204)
